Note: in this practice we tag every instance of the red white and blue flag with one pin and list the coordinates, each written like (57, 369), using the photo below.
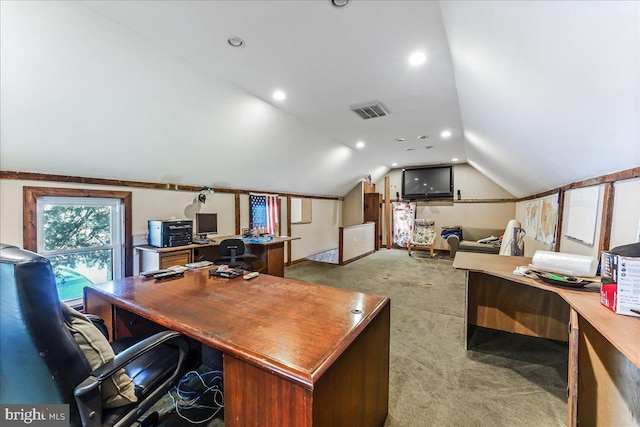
(263, 212)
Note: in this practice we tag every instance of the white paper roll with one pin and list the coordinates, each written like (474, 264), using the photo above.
(567, 264)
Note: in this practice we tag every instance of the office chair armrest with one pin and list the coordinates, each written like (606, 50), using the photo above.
(87, 393)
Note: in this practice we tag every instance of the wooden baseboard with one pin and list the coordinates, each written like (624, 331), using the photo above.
(357, 258)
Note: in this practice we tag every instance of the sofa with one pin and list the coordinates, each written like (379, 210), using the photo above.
(469, 241)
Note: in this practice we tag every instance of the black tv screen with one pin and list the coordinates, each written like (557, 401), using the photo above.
(428, 183)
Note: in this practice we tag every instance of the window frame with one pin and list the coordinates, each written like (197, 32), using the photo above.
(116, 219)
(30, 216)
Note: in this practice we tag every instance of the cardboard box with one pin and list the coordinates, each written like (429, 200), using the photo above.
(620, 290)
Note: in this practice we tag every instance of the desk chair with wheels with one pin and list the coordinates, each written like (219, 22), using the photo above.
(231, 251)
(52, 354)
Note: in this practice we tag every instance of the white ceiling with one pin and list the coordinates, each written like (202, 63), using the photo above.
(536, 94)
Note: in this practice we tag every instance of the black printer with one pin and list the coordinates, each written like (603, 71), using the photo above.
(170, 233)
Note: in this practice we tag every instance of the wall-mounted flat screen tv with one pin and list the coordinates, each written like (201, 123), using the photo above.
(427, 183)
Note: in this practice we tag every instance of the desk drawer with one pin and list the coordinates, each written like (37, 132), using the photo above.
(128, 324)
(175, 258)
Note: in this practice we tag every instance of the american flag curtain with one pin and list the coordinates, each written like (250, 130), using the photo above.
(263, 210)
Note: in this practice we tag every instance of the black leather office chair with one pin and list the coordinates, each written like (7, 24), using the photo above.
(41, 363)
(231, 251)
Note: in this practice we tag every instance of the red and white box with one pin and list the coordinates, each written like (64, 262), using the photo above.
(620, 290)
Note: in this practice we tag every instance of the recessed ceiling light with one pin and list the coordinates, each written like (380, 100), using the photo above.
(417, 58)
(360, 144)
(445, 133)
(422, 137)
(235, 41)
(394, 164)
(455, 159)
(399, 139)
(408, 149)
(339, 3)
(279, 95)
(429, 147)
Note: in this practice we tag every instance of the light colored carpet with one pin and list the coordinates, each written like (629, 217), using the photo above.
(508, 380)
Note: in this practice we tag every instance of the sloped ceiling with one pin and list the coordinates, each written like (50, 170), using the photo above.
(549, 91)
(536, 94)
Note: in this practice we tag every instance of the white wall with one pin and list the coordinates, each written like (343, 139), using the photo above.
(358, 240)
(321, 234)
(625, 226)
(353, 206)
(146, 204)
(318, 236)
(473, 185)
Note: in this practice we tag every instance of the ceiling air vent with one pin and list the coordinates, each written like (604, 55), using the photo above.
(370, 110)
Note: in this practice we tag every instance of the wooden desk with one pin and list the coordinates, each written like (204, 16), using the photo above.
(268, 256)
(604, 348)
(294, 353)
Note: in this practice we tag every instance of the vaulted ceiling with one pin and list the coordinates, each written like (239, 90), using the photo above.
(535, 94)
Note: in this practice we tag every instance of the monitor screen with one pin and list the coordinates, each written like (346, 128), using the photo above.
(428, 183)
(206, 223)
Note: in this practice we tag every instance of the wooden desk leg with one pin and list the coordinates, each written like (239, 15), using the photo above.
(275, 259)
(256, 397)
(467, 327)
(95, 304)
(572, 387)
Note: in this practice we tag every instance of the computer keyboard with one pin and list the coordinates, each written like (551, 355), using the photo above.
(201, 241)
(199, 264)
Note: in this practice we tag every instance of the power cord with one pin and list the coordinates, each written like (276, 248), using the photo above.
(186, 399)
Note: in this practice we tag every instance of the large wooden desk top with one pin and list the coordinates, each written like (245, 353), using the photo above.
(623, 332)
(294, 329)
(275, 241)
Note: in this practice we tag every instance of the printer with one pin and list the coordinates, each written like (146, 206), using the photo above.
(170, 233)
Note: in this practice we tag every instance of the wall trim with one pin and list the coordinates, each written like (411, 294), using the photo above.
(349, 261)
(602, 179)
(34, 176)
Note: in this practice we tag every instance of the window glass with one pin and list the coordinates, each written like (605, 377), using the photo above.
(82, 239)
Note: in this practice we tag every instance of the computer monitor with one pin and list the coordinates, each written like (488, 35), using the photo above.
(206, 223)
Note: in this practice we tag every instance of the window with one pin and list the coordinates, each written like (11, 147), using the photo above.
(85, 234)
(82, 238)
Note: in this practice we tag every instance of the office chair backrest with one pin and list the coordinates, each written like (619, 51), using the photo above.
(231, 248)
(40, 361)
